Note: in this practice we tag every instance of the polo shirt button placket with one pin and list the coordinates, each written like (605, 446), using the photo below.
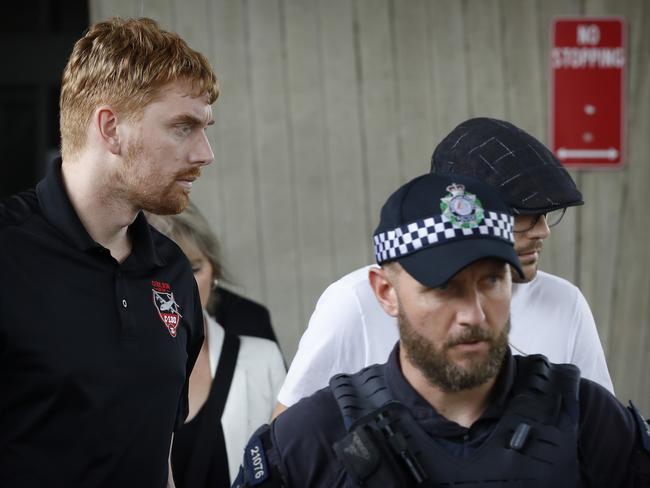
(121, 290)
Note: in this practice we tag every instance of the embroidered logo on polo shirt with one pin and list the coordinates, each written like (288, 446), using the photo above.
(168, 309)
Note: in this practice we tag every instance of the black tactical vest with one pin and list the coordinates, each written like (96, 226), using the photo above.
(534, 444)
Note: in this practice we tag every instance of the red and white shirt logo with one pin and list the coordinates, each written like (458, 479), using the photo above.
(168, 309)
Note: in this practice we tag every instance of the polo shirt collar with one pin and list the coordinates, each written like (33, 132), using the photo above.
(58, 210)
(143, 246)
(421, 409)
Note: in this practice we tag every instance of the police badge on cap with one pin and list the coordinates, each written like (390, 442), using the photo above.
(461, 208)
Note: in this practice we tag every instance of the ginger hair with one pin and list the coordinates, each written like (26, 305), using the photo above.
(125, 63)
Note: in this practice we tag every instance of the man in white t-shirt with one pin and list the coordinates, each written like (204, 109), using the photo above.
(349, 330)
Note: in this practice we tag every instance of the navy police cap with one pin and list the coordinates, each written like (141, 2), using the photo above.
(435, 225)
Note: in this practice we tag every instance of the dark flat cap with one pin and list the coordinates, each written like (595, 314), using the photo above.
(528, 176)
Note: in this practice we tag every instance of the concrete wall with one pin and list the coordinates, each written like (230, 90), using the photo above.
(328, 105)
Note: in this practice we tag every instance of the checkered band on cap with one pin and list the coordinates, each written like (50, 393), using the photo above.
(436, 230)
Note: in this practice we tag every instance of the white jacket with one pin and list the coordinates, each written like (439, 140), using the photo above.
(259, 374)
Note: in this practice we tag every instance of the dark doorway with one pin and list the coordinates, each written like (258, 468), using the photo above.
(36, 38)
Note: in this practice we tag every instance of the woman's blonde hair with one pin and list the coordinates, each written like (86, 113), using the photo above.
(190, 228)
(125, 63)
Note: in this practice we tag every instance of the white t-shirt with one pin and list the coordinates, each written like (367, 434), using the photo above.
(349, 330)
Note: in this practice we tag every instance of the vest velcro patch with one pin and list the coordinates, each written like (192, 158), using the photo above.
(358, 453)
(255, 464)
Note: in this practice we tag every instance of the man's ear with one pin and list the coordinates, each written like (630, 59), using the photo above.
(105, 121)
(382, 283)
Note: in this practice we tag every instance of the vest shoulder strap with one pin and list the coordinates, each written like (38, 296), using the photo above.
(360, 394)
(551, 387)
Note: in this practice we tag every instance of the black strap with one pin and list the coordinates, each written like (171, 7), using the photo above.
(225, 370)
(199, 455)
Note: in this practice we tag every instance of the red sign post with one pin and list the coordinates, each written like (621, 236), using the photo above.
(588, 62)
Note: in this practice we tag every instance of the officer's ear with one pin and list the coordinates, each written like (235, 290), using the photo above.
(384, 283)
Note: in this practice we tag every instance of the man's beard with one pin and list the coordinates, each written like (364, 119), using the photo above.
(150, 192)
(434, 363)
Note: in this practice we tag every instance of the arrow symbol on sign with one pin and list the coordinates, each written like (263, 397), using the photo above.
(610, 153)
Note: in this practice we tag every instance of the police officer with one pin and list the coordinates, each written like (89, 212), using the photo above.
(451, 406)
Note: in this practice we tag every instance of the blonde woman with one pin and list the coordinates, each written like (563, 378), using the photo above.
(235, 380)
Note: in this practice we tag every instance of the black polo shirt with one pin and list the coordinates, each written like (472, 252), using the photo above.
(303, 435)
(94, 354)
